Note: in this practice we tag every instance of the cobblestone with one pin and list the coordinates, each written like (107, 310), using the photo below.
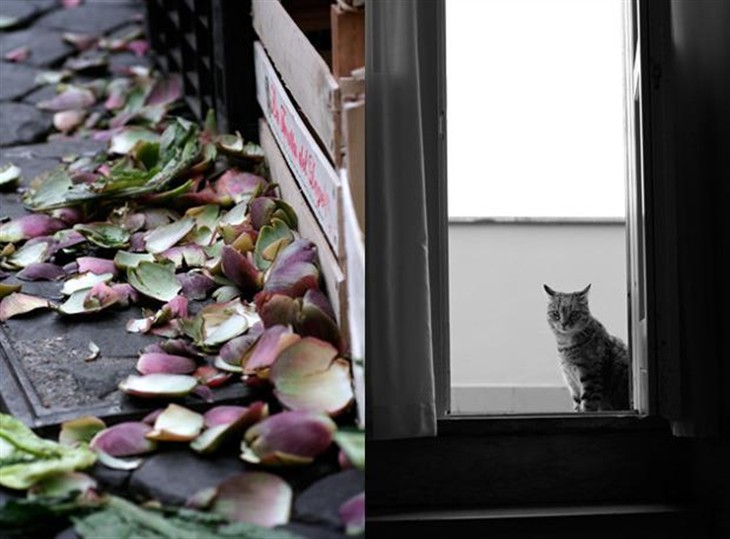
(46, 49)
(321, 502)
(41, 94)
(21, 12)
(17, 80)
(92, 19)
(21, 124)
(160, 477)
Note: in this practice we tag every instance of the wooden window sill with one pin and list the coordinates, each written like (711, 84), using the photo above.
(473, 425)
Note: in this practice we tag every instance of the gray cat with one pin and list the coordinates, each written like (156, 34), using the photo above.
(595, 364)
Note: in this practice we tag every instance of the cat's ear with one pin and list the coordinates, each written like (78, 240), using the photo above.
(549, 290)
(584, 292)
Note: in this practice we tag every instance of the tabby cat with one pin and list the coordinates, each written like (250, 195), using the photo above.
(595, 364)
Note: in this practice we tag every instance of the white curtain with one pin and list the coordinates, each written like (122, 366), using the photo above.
(400, 373)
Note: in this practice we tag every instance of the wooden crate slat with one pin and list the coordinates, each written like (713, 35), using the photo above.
(334, 277)
(355, 271)
(352, 88)
(348, 40)
(303, 70)
(318, 180)
(353, 116)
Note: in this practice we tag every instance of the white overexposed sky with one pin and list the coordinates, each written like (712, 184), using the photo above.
(535, 105)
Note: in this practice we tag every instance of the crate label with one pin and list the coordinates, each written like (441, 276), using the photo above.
(312, 170)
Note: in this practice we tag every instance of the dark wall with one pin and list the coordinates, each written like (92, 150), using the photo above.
(697, 73)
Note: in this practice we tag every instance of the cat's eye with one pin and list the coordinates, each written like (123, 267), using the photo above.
(554, 315)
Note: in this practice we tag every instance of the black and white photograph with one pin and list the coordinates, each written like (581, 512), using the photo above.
(547, 262)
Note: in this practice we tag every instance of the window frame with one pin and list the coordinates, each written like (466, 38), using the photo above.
(643, 332)
(675, 453)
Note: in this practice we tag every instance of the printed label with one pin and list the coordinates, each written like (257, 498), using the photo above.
(314, 173)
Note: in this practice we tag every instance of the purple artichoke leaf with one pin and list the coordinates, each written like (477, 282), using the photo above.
(150, 363)
(154, 280)
(240, 270)
(176, 424)
(163, 238)
(158, 385)
(272, 239)
(30, 226)
(288, 438)
(73, 97)
(257, 498)
(270, 345)
(195, 285)
(33, 252)
(124, 260)
(41, 271)
(80, 281)
(124, 440)
(165, 91)
(104, 235)
(227, 293)
(309, 376)
(18, 303)
(261, 210)
(352, 443)
(352, 514)
(235, 350)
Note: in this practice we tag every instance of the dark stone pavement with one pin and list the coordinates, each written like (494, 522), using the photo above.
(176, 472)
(39, 25)
(46, 50)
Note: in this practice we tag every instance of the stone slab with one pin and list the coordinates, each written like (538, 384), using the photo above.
(93, 19)
(51, 350)
(315, 532)
(43, 93)
(46, 46)
(119, 62)
(24, 11)
(321, 502)
(111, 480)
(55, 149)
(17, 9)
(17, 80)
(44, 378)
(22, 124)
(160, 476)
(114, 2)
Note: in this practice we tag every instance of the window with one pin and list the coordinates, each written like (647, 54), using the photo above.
(487, 470)
(536, 190)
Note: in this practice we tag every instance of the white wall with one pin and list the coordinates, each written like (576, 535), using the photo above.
(499, 332)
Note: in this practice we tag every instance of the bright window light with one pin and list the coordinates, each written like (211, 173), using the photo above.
(535, 108)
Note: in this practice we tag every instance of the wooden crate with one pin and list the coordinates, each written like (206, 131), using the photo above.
(313, 172)
(314, 137)
(317, 90)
